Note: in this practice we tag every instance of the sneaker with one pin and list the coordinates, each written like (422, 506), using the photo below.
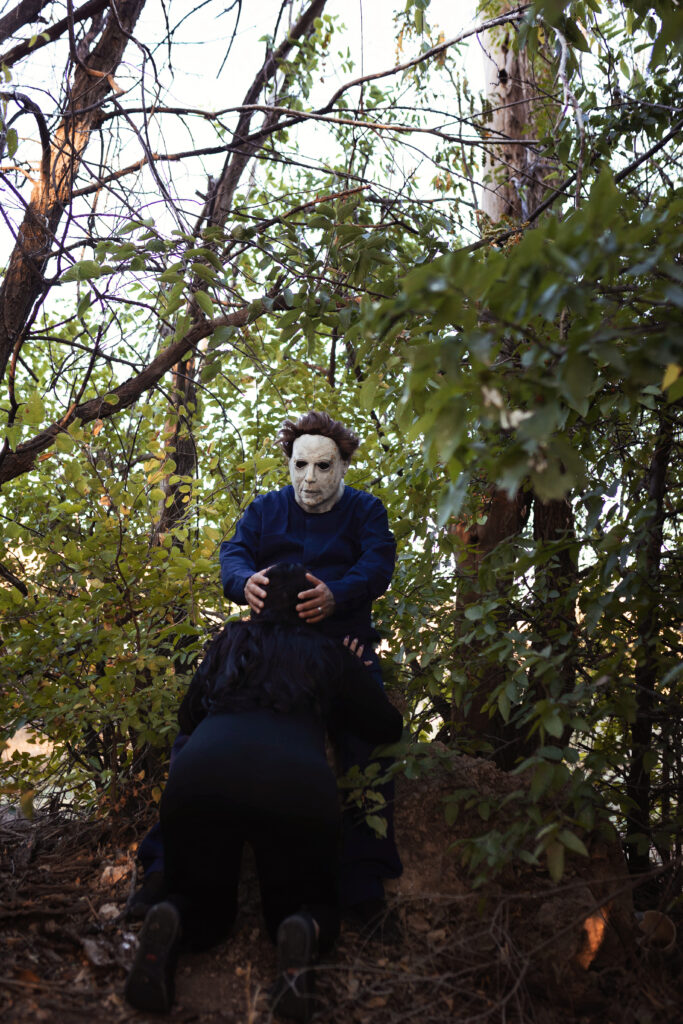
(297, 951)
(150, 984)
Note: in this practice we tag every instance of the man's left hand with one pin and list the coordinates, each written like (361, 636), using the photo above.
(317, 603)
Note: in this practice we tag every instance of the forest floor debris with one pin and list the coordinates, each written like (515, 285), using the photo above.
(66, 948)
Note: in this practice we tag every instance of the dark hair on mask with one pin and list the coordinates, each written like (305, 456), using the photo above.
(272, 660)
(314, 422)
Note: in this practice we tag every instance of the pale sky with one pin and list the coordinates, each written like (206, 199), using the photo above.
(198, 51)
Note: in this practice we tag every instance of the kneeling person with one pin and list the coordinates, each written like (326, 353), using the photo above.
(255, 770)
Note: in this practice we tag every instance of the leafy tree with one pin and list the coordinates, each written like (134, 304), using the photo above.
(152, 344)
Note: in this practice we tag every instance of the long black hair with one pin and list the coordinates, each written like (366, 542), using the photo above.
(272, 660)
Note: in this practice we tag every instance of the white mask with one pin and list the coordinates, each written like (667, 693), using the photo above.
(317, 472)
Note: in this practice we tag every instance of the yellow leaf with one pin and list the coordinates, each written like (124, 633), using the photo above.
(26, 803)
(671, 374)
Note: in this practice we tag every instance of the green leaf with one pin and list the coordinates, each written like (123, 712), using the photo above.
(573, 34)
(205, 304)
(377, 824)
(675, 390)
(552, 723)
(183, 324)
(579, 376)
(86, 270)
(206, 255)
(206, 273)
(33, 411)
(171, 276)
(84, 304)
(451, 812)
(63, 443)
(543, 776)
(555, 860)
(572, 842)
(452, 499)
(368, 390)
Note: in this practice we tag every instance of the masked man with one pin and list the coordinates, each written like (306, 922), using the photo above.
(342, 536)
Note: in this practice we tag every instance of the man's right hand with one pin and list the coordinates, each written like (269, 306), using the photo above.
(254, 590)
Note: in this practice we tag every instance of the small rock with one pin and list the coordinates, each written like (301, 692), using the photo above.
(113, 873)
(108, 911)
(97, 953)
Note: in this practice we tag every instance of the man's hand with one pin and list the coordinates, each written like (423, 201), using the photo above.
(317, 603)
(254, 590)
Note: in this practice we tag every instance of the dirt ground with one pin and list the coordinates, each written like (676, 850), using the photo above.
(522, 951)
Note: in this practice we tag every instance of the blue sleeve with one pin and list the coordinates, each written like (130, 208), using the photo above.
(370, 576)
(238, 555)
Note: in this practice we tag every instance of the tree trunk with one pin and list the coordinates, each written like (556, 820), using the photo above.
(638, 787)
(556, 576)
(505, 518)
(36, 242)
(513, 184)
(216, 210)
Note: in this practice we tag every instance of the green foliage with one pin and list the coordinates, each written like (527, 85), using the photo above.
(545, 363)
(558, 350)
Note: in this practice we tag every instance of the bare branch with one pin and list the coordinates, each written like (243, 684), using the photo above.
(218, 205)
(88, 10)
(25, 101)
(24, 13)
(503, 19)
(561, 190)
(23, 460)
(24, 282)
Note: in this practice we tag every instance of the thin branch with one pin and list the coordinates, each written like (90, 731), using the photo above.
(28, 104)
(503, 19)
(219, 201)
(560, 190)
(23, 14)
(88, 9)
(648, 153)
(122, 397)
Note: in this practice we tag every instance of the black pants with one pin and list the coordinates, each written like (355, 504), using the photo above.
(366, 860)
(257, 778)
